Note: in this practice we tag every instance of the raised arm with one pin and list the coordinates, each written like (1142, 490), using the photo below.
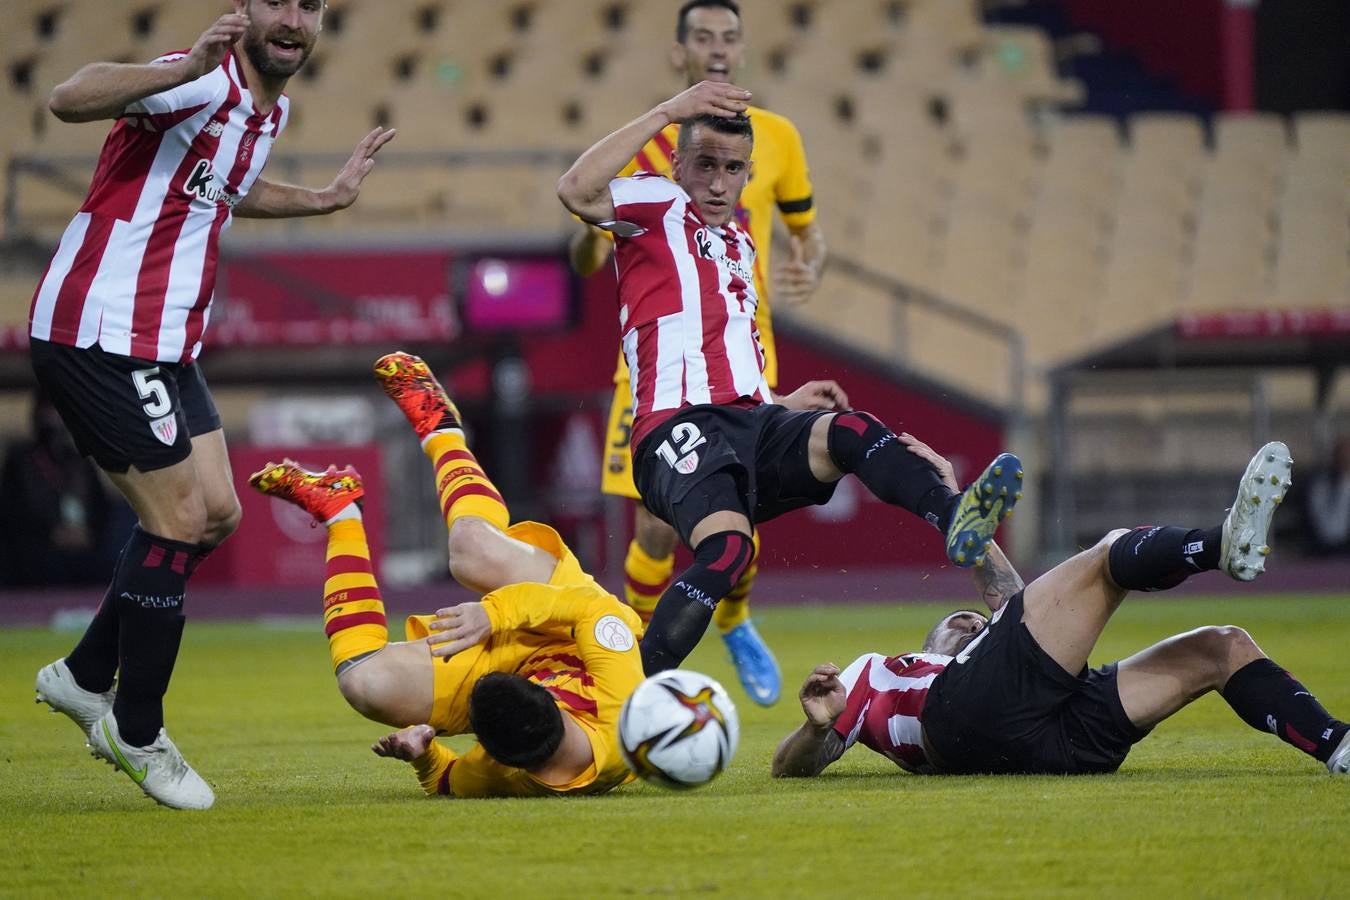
(584, 188)
(270, 200)
(808, 750)
(997, 580)
(104, 90)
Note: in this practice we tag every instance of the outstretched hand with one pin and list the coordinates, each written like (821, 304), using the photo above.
(343, 190)
(457, 628)
(825, 395)
(717, 98)
(407, 744)
(209, 50)
(823, 696)
(923, 451)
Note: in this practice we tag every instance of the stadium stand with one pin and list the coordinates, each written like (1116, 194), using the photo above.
(965, 157)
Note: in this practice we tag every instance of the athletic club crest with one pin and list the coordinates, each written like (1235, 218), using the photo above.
(687, 464)
(166, 429)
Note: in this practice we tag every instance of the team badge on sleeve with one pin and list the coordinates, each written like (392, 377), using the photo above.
(613, 633)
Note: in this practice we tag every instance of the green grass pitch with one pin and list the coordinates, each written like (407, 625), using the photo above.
(1204, 807)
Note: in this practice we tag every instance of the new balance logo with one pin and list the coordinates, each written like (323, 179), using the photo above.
(1271, 724)
(1193, 548)
(214, 128)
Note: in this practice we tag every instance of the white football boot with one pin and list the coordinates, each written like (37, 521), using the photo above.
(1245, 545)
(56, 687)
(159, 769)
(1339, 763)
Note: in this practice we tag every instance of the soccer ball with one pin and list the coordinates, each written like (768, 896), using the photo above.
(678, 729)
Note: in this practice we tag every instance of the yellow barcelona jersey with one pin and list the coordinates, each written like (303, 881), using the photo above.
(569, 636)
(779, 179)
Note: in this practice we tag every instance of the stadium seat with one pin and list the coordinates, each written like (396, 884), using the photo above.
(1323, 135)
(1259, 140)
(1020, 57)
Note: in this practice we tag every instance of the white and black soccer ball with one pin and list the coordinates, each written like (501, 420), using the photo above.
(678, 729)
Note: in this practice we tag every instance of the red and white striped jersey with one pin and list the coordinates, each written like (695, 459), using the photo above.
(885, 705)
(686, 304)
(135, 271)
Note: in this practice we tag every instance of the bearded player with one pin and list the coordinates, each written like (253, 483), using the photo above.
(1012, 692)
(115, 329)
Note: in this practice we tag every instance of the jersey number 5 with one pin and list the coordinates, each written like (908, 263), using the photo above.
(683, 460)
(153, 391)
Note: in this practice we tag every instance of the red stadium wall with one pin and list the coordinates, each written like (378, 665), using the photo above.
(1183, 41)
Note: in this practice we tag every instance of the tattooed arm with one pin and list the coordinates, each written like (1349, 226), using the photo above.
(996, 579)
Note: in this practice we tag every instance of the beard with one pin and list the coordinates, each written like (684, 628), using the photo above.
(259, 54)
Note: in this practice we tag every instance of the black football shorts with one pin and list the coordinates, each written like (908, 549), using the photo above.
(125, 412)
(1004, 706)
(711, 458)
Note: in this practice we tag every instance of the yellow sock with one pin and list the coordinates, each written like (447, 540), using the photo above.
(353, 611)
(464, 489)
(645, 579)
(735, 607)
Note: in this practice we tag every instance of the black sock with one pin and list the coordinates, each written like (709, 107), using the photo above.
(1158, 557)
(860, 444)
(148, 592)
(685, 609)
(93, 662)
(1268, 698)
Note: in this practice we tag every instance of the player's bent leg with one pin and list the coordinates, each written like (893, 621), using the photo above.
(168, 502)
(393, 686)
(1066, 608)
(649, 563)
(1157, 682)
(462, 486)
(722, 551)
(211, 461)
(484, 558)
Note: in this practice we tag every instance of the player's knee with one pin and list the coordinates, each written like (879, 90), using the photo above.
(1226, 641)
(185, 520)
(361, 687)
(655, 537)
(1224, 648)
(221, 522)
(471, 550)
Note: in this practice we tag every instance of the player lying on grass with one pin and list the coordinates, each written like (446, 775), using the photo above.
(1012, 693)
(537, 670)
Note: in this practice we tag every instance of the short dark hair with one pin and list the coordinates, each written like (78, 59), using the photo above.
(932, 632)
(738, 124)
(682, 27)
(515, 720)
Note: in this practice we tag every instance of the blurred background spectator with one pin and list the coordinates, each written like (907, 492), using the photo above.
(58, 524)
(1326, 503)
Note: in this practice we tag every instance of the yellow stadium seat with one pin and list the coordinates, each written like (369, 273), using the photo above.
(1323, 135)
(1020, 57)
(1260, 140)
